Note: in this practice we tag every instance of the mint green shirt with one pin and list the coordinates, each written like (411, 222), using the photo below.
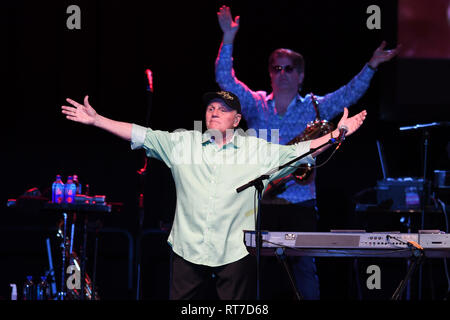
(210, 215)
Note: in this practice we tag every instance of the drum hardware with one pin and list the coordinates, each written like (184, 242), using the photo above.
(68, 254)
(75, 294)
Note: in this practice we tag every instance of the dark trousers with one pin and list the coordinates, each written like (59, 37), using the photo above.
(300, 217)
(233, 281)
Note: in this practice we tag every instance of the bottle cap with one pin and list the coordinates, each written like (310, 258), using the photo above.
(14, 291)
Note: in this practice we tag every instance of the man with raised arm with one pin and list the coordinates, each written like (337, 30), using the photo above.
(291, 206)
(207, 232)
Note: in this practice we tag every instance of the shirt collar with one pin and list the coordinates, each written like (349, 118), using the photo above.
(298, 97)
(235, 141)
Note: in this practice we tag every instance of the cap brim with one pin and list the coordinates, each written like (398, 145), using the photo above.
(207, 97)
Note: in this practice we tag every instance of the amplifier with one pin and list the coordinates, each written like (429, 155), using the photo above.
(403, 193)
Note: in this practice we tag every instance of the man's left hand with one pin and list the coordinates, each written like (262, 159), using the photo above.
(352, 124)
(380, 55)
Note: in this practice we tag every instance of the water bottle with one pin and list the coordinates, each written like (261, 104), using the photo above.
(70, 190)
(28, 289)
(13, 291)
(58, 190)
(77, 184)
(42, 289)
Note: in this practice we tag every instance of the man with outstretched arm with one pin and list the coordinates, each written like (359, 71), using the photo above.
(207, 232)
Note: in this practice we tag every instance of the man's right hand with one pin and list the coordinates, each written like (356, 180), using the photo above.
(228, 26)
(80, 113)
(84, 113)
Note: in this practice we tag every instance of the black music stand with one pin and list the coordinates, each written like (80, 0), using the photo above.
(425, 193)
(259, 186)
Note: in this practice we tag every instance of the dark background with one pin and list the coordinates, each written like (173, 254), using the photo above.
(43, 62)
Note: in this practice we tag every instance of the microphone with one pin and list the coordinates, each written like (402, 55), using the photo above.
(343, 129)
(149, 74)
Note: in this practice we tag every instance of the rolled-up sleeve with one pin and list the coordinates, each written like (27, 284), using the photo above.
(302, 148)
(156, 143)
(137, 136)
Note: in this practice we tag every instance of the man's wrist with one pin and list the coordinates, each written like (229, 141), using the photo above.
(228, 39)
(331, 135)
(372, 65)
(97, 121)
(335, 133)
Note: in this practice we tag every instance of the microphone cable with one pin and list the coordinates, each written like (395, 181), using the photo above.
(323, 163)
(445, 259)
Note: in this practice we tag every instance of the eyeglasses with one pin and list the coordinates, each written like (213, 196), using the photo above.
(287, 68)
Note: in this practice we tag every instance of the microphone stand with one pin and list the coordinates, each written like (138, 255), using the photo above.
(259, 186)
(424, 199)
(142, 172)
(418, 256)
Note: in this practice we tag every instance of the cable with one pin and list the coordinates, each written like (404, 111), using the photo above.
(445, 259)
(323, 163)
(255, 209)
(445, 214)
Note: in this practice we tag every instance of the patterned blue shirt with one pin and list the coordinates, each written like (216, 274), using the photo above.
(258, 109)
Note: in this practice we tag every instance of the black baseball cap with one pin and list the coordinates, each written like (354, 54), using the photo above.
(230, 99)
